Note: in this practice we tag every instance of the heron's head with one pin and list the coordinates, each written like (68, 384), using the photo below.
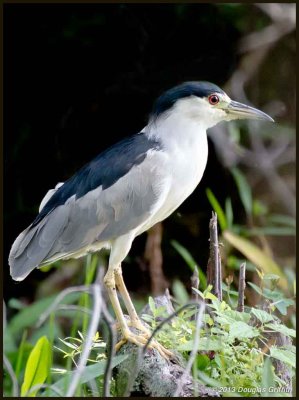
(203, 102)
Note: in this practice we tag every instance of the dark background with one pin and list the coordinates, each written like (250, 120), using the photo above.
(79, 77)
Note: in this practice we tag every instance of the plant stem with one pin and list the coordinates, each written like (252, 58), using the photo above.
(242, 285)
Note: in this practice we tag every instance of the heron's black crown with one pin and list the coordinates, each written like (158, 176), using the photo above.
(186, 89)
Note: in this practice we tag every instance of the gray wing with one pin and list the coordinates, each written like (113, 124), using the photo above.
(98, 216)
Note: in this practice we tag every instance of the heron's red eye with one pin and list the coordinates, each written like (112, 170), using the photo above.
(213, 99)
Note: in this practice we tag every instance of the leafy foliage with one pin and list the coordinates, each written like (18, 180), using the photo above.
(231, 353)
(37, 367)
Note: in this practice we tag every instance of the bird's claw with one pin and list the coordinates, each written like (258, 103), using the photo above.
(137, 325)
(141, 340)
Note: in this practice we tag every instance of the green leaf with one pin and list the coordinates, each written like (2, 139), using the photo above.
(271, 231)
(202, 361)
(283, 220)
(210, 296)
(241, 330)
(185, 254)
(257, 256)
(259, 208)
(244, 190)
(282, 329)
(37, 366)
(16, 304)
(231, 316)
(262, 315)
(286, 356)
(152, 305)
(208, 380)
(68, 344)
(90, 372)
(238, 316)
(9, 344)
(271, 277)
(229, 213)
(217, 208)
(30, 315)
(199, 293)
(179, 291)
(283, 304)
(269, 294)
(21, 352)
(267, 379)
(205, 344)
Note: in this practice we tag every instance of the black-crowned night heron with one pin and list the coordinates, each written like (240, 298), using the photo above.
(127, 189)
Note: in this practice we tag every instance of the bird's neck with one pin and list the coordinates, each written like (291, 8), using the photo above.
(174, 131)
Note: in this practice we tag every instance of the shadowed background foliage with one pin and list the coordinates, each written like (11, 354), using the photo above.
(79, 77)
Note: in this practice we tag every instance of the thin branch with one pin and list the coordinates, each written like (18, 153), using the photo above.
(44, 386)
(53, 306)
(96, 291)
(112, 342)
(193, 352)
(195, 283)
(71, 307)
(242, 285)
(10, 371)
(94, 388)
(214, 272)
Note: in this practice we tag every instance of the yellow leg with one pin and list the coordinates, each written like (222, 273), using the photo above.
(139, 340)
(135, 321)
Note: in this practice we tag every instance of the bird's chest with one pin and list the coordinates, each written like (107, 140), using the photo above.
(185, 167)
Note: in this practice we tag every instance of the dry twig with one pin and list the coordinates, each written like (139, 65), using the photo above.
(214, 273)
(242, 285)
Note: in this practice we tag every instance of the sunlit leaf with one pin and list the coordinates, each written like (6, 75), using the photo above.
(267, 378)
(262, 315)
(199, 293)
(68, 344)
(37, 367)
(205, 344)
(152, 305)
(257, 256)
(282, 329)
(202, 361)
(271, 277)
(90, 372)
(285, 356)
(30, 315)
(179, 291)
(210, 296)
(283, 304)
(241, 330)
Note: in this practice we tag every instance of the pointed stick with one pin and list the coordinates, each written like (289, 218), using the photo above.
(242, 285)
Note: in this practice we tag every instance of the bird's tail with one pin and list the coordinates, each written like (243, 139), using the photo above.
(35, 244)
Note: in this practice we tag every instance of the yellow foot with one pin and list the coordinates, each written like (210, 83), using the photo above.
(141, 340)
(137, 324)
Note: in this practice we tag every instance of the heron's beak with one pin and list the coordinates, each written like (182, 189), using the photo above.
(240, 111)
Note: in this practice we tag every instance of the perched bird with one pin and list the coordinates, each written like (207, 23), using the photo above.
(127, 189)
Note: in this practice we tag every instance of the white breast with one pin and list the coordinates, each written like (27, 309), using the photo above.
(185, 143)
